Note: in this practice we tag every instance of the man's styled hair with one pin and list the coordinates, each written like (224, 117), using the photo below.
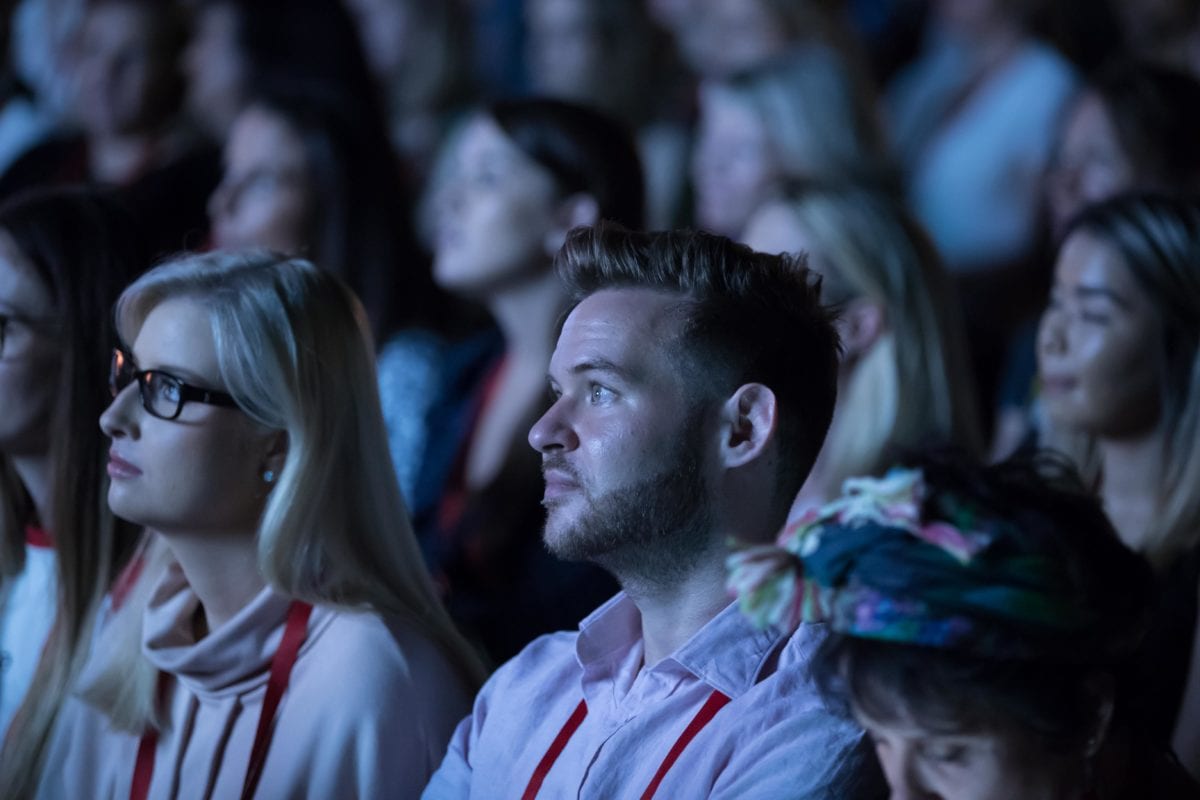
(747, 318)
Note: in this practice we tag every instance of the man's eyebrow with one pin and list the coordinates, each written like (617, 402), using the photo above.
(600, 365)
(1084, 290)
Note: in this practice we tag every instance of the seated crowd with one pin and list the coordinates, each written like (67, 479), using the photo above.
(599, 398)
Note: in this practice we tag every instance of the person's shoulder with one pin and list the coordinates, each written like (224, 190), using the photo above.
(388, 657)
(548, 656)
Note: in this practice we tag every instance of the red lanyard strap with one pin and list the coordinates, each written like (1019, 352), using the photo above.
(715, 702)
(294, 633)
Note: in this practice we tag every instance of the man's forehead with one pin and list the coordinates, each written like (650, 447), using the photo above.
(627, 320)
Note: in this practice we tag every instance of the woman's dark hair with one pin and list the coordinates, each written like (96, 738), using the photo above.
(1046, 515)
(1155, 111)
(84, 247)
(360, 223)
(584, 150)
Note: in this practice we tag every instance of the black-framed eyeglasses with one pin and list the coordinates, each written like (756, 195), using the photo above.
(33, 323)
(163, 394)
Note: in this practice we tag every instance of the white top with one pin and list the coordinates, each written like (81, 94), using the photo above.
(27, 608)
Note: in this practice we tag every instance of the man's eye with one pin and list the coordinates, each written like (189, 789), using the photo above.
(600, 394)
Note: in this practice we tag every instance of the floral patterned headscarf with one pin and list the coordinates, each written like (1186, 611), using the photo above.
(894, 561)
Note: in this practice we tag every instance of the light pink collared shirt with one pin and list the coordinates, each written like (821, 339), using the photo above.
(775, 738)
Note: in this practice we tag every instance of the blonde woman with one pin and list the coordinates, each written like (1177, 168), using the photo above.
(290, 640)
(1119, 366)
(904, 378)
(803, 117)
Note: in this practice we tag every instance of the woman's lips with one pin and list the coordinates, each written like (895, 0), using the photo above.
(120, 468)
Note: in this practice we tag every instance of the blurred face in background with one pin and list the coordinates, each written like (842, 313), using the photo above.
(264, 198)
(1090, 164)
(735, 166)
(389, 31)
(215, 69)
(28, 359)
(723, 37)
(1100, 344)
(500, 218)
(567, 48)
(128, 76)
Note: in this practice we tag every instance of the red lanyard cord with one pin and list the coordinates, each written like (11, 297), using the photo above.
(715, 702)
(294, 633)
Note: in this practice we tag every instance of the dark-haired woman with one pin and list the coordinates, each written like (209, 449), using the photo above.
(526, 172)
(1119, 366)
(64, 258)
(307, 173)
(977, 632)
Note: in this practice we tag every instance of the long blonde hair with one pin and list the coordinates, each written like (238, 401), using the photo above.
(294, 351)
(913, 386)
(1158, 239)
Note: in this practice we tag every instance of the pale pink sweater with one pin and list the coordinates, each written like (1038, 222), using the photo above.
(368, 713)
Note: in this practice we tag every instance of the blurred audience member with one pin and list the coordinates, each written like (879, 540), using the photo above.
(723, 38)
(978, 636)
(1135, 126)
(24, 119)
(240, 48)
(904, 381)
(609, 55)
(131, 134)
(417, 51)
(527, 172)
(1119, 364)
(798, 118)
(1166, 31)
(306, 174)
(65, 256)
(973, 122)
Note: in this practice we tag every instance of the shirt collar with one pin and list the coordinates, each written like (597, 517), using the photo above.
(728, 653)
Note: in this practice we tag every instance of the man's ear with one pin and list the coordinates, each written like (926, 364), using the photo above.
(748, 421)
(571, 212)
(860, 325)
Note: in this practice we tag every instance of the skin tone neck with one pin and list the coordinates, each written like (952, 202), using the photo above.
(116, 158)
(1132, 475)
(673, 614)
(34, 472)
(222, 569)
(528, 313)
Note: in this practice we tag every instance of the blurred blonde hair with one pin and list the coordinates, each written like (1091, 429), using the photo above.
(294, 351)
(912, 387)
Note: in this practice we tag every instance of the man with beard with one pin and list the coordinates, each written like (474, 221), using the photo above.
(694, 381)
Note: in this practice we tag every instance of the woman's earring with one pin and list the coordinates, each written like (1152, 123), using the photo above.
(268, 476)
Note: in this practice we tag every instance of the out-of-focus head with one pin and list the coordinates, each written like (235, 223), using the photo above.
(721, 38)
(243, 48)
(128, 66)
(415, 48)
(905, 374)
(673, 335)
(975, 19)
(527, 172)
(265, 198)
(591, 52)
(307, 173)
(1134, 127)
(1119, 348)
(799, 118)
(976, 633)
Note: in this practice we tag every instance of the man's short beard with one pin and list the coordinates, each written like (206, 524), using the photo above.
(651, 532)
